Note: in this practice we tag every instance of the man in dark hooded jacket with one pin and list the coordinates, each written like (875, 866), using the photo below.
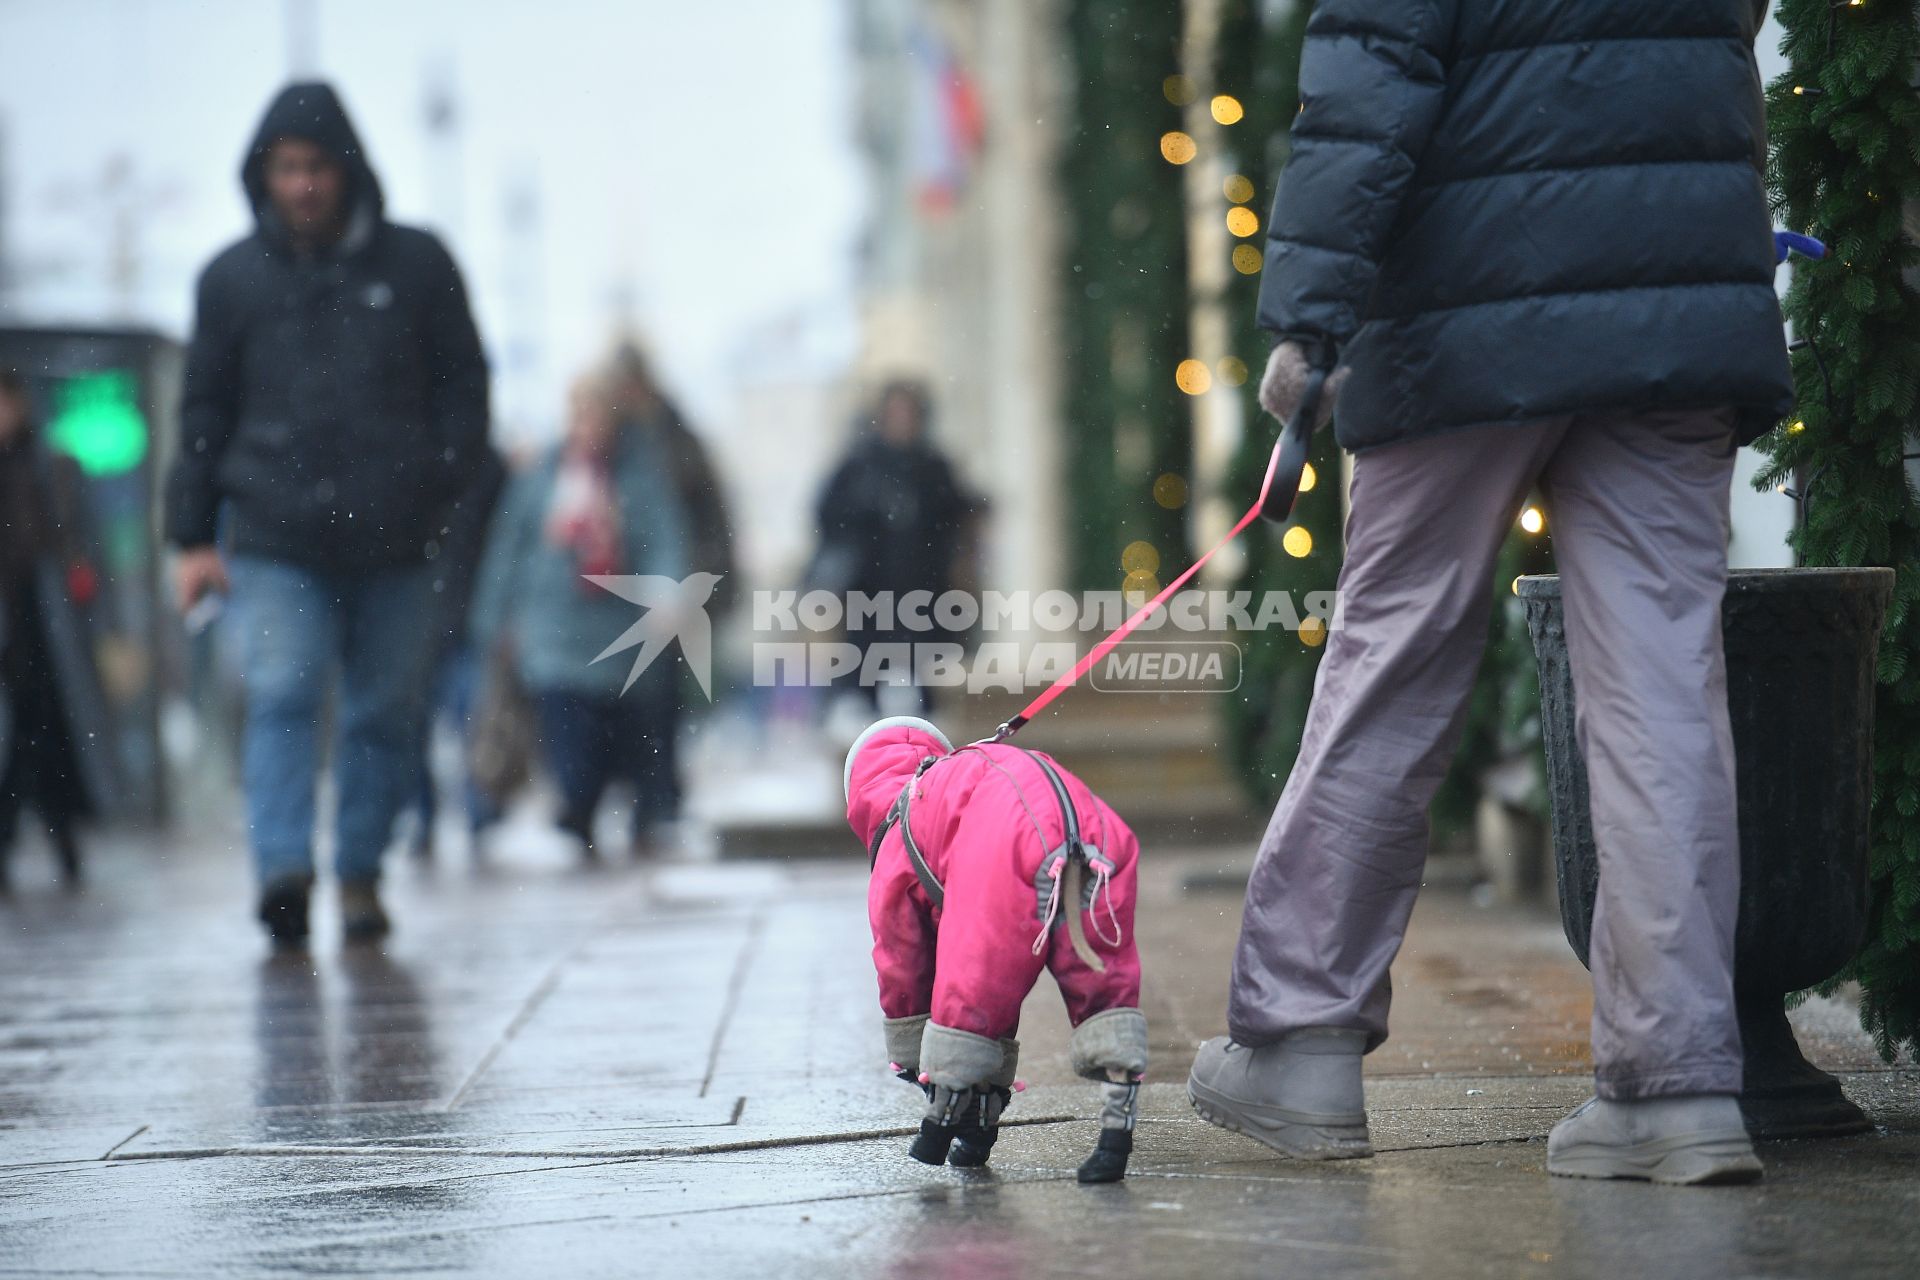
(335, 408)
(1533, 238)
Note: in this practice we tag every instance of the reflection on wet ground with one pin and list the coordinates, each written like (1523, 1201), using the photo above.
(675, 1070)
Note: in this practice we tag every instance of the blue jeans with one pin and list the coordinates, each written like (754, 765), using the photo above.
(295, 626)
(454, 693)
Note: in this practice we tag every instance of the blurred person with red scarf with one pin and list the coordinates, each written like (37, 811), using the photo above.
(601, 503)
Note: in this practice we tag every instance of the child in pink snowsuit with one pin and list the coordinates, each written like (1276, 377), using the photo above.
(991, 863)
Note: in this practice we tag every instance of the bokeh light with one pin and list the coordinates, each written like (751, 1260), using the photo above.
(1313, 632)
(1170, 491)
(1238, 188)
(1140, 557)
(1232, 370)
(1227, 109)
(1242, 221)
(1247, 260)
(1192, 377)
(1177, 147)
(1533, 520)
(1297, 542)
(1179, 90)
(1308, 477)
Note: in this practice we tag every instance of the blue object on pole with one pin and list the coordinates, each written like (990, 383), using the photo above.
(1785, 242)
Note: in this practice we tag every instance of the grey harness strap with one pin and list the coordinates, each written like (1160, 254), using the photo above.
(1073, 872)
(899, 816)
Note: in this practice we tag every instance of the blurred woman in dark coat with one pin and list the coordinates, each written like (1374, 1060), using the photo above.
(54, 737)
(892, 518)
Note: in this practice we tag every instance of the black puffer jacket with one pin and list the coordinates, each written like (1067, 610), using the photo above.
(1505, 210)
(336, 403)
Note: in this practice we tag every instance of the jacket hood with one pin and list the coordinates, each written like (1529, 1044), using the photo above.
(311, 111)
(881, 762)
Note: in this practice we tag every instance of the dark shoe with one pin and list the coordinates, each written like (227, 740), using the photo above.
(361, 917)
(930, 1146)
(1687, 1141)
(66, 844)
(581, 829)
(1108, 1163)
(283, 909)
(973, 1146)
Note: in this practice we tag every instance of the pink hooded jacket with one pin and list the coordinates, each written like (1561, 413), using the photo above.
(989, 825)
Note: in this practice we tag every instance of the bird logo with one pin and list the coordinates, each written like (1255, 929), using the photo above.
(674, 611)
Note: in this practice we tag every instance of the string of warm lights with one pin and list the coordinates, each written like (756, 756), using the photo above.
(1809, 91)
(1803, 495)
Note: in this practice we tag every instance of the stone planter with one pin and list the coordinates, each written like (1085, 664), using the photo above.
(1800, 647)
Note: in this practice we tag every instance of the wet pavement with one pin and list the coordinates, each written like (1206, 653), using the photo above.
(674, 1069)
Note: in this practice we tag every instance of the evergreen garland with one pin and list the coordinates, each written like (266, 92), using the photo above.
(1260, 65)
(1124, 297)
(1845, 167)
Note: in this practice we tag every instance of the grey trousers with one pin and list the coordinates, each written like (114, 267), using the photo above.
(1637, 509)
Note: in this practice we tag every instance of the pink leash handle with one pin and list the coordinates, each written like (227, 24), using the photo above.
(1278, 493)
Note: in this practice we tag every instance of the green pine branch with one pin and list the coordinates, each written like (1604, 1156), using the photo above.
(1844, 165)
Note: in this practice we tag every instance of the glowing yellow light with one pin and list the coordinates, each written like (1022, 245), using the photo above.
(1781, 487)
(1313, 632)
(1532, 520)
(1179, 90)
(1140, 584)
(1297, 542)
(1516, 586)
(1247, 260)
(1177, 147)
(1227, 109)
(1238, 189)
(1192, 377)
(1799, 91)
(1232, 370)
(1308, 477)
(1140, 557)
(1796, 428)
(1242, 221)
(1170, 491)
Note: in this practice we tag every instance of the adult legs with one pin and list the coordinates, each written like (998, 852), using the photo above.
(577, 739)
(1639, 505)
(647, 740)
(1340, 864)
(287, 618)
(386, 659)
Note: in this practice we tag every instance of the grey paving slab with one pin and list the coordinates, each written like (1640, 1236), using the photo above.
(676, 1071)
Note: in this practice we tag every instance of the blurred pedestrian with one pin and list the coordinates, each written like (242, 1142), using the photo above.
(54, 735)
(647, 408)
(457, 670)
(601, 503)
(335, 408)
(648, 411)
(891, 518)
(1537, 236)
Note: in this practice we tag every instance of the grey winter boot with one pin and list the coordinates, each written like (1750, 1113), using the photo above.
(1300, 1095)
(1681, 1141)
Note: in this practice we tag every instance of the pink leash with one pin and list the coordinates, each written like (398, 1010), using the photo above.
(1275, 502)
